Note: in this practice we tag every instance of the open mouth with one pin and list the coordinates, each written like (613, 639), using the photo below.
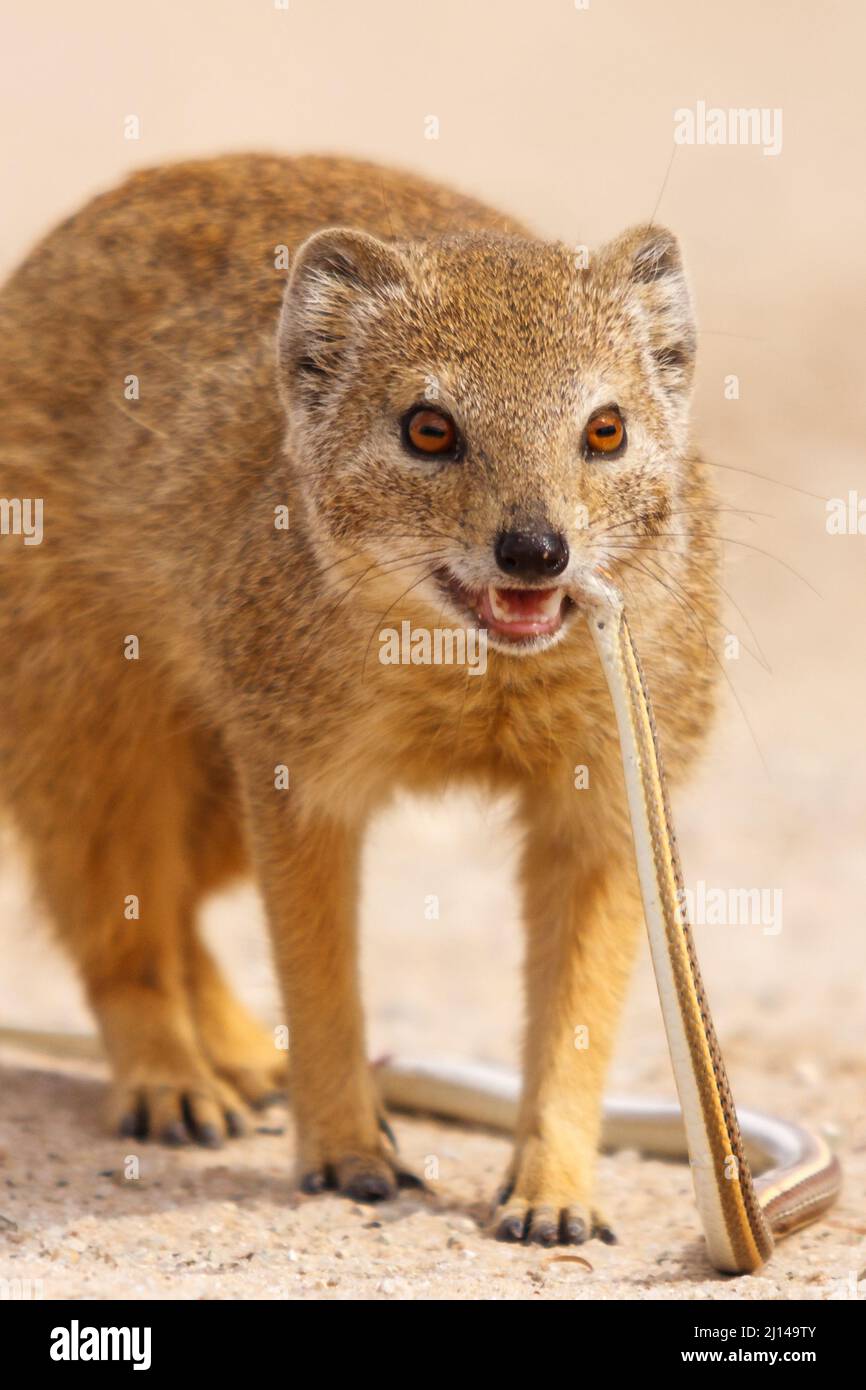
(520, 617)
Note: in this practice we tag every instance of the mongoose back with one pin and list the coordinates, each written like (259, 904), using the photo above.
(274, 410)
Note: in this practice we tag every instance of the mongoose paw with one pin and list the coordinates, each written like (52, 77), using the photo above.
(543, 1202)
(364, 1176)
(543, 1223)
(165, 1088)
(201, 1109)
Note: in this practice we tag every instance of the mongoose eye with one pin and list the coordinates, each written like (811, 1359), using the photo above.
(605, 433)
(430, 432)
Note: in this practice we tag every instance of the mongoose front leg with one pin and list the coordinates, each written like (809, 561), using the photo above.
(310, 881)
(582, 924)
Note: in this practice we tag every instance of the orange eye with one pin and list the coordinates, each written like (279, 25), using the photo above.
(605, 432)
(430, 432)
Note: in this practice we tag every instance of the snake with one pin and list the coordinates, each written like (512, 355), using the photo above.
(755, 1177)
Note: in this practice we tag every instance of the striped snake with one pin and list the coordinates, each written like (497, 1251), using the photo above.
(741, 1214)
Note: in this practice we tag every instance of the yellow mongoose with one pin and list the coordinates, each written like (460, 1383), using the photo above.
(446, 425)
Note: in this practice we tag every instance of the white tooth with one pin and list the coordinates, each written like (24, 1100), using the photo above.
(551, 605)
(498, 608)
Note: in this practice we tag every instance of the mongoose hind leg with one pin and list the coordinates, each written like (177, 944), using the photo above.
(164, 1085)
(236, 1045)
(238, 1048)
(108, 818)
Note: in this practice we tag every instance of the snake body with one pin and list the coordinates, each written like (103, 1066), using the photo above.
(797, 1175)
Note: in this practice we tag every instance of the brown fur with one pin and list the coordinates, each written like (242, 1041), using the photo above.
(258, 646)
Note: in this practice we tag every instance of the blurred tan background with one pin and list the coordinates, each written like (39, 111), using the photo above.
(564, 116)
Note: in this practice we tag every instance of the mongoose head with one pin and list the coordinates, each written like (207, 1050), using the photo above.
(482, 422)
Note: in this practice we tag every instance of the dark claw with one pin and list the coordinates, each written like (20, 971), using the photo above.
(208, 1136)
(174, 1134)
(510, 1229)
(369, 1187)
(313, 1182)
(406, 1178)
(134, 1125)
(387, 1131)
(543, 1233)
(605, 1235)
(235, 1124)
(573, 1230)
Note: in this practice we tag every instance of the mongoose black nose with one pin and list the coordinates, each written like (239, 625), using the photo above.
(530, 555)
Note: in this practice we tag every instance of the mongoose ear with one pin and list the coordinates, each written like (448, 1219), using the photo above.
(336, 279)
(649, 259)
